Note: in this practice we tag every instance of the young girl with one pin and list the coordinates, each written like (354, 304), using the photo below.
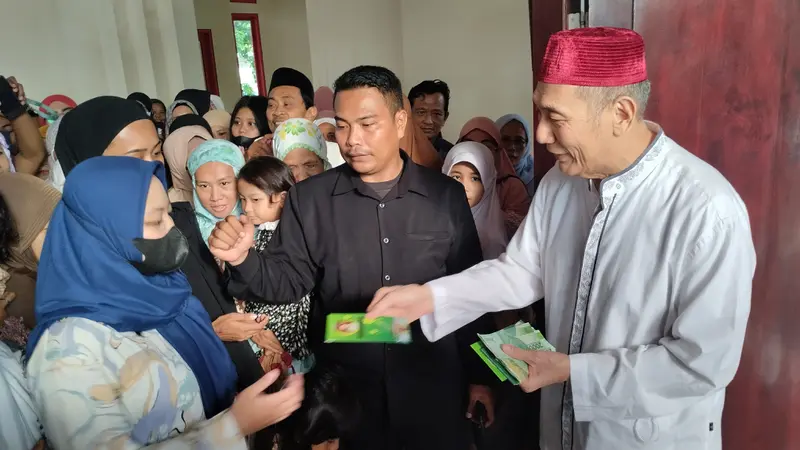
(263, 183)
(472, 164)
(330, 409)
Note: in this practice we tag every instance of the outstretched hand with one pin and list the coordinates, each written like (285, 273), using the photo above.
(232, 239)
(404, 302)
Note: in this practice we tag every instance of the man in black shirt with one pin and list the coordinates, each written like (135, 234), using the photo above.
(380, 220)
(430, 108)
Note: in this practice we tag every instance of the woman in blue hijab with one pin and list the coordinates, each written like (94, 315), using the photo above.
(516, 140)
(122, 353)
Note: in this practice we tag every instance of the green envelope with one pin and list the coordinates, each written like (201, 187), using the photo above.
(353, 328)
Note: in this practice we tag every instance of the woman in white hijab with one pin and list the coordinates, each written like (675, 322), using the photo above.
(56, 175)
(472, 164)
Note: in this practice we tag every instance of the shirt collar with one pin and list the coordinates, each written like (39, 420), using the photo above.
(410, 180)
(640, 169)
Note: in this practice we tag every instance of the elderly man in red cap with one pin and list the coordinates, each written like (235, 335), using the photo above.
(642, 251)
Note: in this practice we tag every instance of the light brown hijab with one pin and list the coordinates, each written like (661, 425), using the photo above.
(31, 202)
(177, 152)
(218, 118)
(418, 147)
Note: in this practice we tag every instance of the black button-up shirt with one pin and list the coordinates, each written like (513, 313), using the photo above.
(339, 240)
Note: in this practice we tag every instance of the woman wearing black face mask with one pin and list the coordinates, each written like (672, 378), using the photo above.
(249, 121)
(119, 334)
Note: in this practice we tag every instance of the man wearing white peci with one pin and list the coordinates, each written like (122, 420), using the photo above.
(642, 251)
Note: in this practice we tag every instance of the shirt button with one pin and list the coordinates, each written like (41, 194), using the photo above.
(387, 277)
(385, 240)
(381, 205)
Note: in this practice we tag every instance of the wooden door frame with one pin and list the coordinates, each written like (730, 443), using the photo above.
(546, 17)
(207, 55)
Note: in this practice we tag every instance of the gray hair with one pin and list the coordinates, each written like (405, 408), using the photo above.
(600, 98)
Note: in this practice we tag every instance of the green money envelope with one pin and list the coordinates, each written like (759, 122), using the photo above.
(521, 335)
(353, 328)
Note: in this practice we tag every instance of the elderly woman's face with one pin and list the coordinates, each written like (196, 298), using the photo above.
(304, 164)
(138, 140)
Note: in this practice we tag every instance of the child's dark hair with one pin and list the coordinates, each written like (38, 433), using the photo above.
(330, 409)
(269, 174)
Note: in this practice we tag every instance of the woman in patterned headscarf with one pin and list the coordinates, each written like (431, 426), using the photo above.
(300, 144)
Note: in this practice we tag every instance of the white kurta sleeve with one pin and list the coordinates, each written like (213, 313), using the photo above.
(703, 350)
(512, 281)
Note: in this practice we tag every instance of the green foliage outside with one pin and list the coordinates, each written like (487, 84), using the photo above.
(244, 52)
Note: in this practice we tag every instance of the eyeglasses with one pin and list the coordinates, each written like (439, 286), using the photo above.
(512, 142)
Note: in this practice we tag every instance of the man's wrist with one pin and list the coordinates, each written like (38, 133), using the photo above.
(240, 260)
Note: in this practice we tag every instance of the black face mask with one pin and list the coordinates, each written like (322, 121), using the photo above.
(243, 141)
(162, 255)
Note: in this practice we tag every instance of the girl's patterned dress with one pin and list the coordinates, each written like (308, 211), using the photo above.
(289, 322)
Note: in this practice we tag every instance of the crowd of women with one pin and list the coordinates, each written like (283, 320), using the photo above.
(118, 330)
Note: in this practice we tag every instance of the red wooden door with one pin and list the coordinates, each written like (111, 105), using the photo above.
(726, 85)
(546, 18)
(209, 61)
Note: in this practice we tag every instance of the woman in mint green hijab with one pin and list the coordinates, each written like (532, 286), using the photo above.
(214, 166)
(300, 144)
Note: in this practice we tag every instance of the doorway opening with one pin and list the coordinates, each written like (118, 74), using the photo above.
(249, 57)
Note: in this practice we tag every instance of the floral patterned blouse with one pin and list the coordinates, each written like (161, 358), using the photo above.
(97, 388)
(289, 321)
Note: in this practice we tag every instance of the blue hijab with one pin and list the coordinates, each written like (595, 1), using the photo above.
(85, 271)
(524, 167)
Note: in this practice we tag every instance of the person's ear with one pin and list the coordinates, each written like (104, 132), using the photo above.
(311, 113)
(281, 198)
(624, 110)
(400, 121)
(446, 115)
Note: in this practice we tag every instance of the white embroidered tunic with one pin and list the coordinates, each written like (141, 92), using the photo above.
(647, 284)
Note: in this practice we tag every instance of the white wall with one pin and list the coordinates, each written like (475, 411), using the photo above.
(348, 33)
(481, 48)
(86, 48)
(284, 39)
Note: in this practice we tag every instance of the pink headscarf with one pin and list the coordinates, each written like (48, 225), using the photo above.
(502, 162)
(323, 99)
(56, 98)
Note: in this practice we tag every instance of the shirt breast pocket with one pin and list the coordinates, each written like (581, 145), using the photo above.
(426, 253)
(429, 236)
